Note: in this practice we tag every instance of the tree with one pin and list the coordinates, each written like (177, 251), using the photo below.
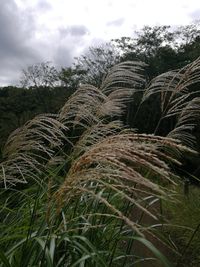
(91, 67)
(40, 75)
(71, 77)
(185, 35)
(161, 47)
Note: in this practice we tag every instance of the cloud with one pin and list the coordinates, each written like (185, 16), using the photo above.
(63, 56)
(195, 15)
(116, 23)
(25, 40)
(15, 34)
(44, 5)
(73, 30)
(70, 42)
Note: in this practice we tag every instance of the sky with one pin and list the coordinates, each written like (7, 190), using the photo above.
(35, 31)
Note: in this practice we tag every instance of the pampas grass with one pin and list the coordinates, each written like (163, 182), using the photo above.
(94, 171)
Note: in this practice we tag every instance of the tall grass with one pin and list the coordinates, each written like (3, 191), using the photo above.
(76, 186)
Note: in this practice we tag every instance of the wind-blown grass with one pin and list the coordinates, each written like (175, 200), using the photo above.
(83, 174)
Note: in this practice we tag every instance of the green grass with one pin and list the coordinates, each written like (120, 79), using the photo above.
(184, 218)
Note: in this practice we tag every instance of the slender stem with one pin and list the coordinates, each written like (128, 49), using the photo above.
(158, 125)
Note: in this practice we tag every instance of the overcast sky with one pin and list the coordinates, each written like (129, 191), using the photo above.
(34, 31)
